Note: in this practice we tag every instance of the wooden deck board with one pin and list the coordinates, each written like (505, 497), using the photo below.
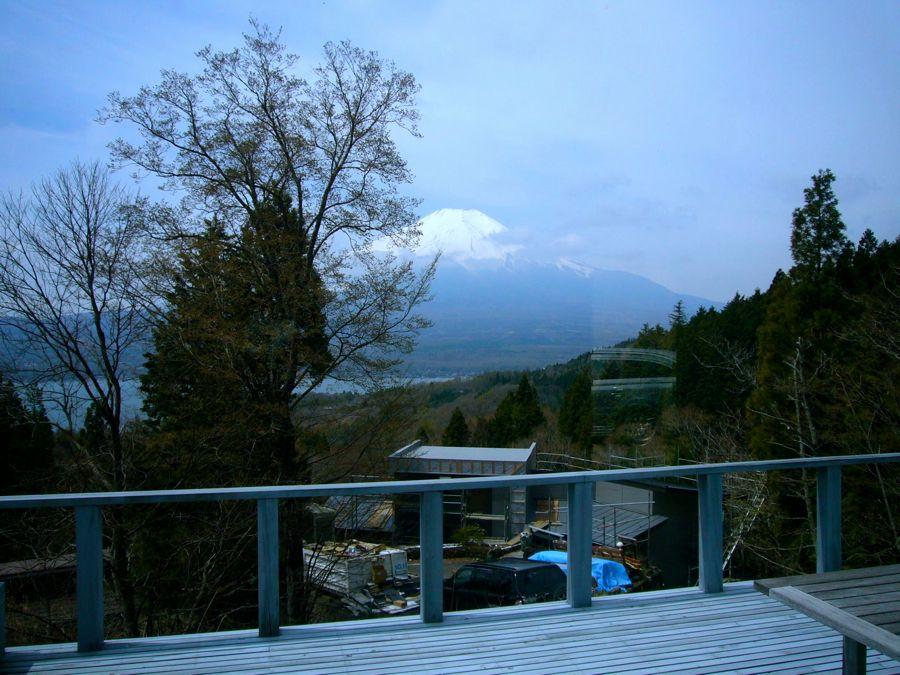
(378, 656)
(765, 585)
(863, 623)
(671, 631)
(558, 650)
(849, 600)
(634, 621)
(629, 620)
(890, 581)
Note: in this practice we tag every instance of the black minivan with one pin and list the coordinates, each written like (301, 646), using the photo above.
(509, 581)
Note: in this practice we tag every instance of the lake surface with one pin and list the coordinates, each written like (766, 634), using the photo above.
(132, 400)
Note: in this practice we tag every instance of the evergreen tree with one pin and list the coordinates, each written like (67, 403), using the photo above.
(805, 314)
(576, 415)
(678, 317)
(26, 441)
(815, 384)
(517, 416)
(423, 434)
(818, 236)
(677, 322)
(243, 328)
(242, 331)
(868, 243)
(501, 428)
(715, 369)
(527, 410)
(457, 431)
(482, 433)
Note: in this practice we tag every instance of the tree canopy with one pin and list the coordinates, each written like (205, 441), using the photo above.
(457, 431)
(576, 414)
(247, 135)
(26, 442)
(818, 234)
(516, 417)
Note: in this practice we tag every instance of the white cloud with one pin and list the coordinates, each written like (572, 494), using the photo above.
(462, 235)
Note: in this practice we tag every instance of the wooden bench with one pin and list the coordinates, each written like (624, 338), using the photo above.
(863, 605)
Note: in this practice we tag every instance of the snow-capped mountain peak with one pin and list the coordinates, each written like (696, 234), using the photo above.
(469, 235)
(463, 235)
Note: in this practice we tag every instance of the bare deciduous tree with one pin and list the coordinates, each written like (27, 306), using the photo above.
(248, 129)
(70, 275)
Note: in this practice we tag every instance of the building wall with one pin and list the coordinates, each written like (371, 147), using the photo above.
(492, 501)
(638, 499)
(673, 544)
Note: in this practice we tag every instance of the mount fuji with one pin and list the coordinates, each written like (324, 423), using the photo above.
(494, 309)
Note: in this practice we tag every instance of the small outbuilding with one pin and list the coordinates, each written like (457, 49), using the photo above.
(500, 512)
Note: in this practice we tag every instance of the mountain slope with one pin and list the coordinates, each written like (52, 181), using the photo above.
(519, 314)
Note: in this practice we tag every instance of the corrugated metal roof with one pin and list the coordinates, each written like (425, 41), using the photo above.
(611, 522)
(457, 453)
(362, 513)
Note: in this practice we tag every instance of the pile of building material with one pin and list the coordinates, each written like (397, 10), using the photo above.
(369, 579)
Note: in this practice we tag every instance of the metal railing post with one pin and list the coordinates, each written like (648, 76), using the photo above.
(89, 577)
(2, 619)
(854, 656)
(431, 557)
(828, 519)
(267, 567)
(711, 516)
(578, 583)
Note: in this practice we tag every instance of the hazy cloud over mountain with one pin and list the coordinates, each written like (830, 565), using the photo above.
(461, 235)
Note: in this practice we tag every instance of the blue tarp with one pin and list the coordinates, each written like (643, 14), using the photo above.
(609, 574)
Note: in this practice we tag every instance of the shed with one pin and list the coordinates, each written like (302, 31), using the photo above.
(500, 511)
(436, 460)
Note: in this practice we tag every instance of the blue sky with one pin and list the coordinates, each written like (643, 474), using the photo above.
(671, 140)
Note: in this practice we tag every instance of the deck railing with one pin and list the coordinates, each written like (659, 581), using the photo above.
(89, 546)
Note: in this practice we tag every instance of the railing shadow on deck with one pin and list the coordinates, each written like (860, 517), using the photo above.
(89, 548)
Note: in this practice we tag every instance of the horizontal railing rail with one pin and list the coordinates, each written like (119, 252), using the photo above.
(89, 537)
(429, 485)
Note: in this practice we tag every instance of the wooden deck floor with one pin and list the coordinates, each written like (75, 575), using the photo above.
(740, 630)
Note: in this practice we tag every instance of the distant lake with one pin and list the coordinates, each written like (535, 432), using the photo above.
(132, 399)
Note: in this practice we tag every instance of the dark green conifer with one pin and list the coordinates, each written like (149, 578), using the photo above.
(818, 235)
(576, 415)
(457, 431)
(26, 441)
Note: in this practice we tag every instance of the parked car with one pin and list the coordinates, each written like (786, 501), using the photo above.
(510, 581)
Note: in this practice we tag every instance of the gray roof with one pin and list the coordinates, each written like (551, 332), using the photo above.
(437, 460)
(611, 522)
(364, 512)
(464, 453)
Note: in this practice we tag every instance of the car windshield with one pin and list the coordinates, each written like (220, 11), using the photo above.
(539, 581)
(463, 576)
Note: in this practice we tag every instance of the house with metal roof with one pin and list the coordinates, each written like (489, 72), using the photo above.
(500, 512)
(437, 460)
